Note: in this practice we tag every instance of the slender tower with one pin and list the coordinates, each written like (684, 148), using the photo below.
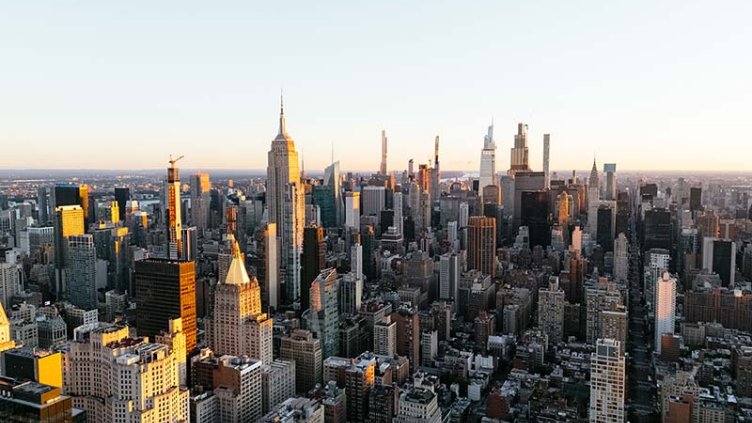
(172, 212)
(488, 160)
(435, 173)
(546, 157)
(286, 203)
(382, 169)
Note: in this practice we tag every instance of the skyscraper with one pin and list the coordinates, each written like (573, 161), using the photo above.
(449, 277)
(665, 308)
(81, 260)
(200, 200)
(323, 317)
(332, 180)
(166, 289)
(352, 209)
(546, 159)
(122, 196)
(610, 170)
(488, 160)
(173, 212)
(350, 293)
(313, 261)
(481, 249)
(519, 154)
(271, 261)
(607, 382)
(382, 168)
(719, 256)
(286, 203)
(621, 258)
(305, 350)
(385, 337)
(69, 221)
(436, 173)
(238, 326)
(593, 198)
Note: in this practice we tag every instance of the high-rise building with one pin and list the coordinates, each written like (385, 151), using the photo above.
(551, 310)
(534, 214)
(166, 289)
(609, 169)
(80, 263)
(352, 209)
(695, 199)
(72, 195)
(593, 199)
(41, 366)
(10, 282)
(236, 383)
(449, 277)
(519, 161)
(546, 159)
(436, 173)
(599, 297)
(115, 378)
(277, 383)
(359, 378)
(665, 308)
(322, 317)
(374, 200)
(399, 218)
(43, 205)
(271, 261)
(607, 382)
(614, 324)
(488, 160)
(719, 256)
(481, 249)
(200, 200)
(382, 167)
(605, 226)
(621, 258)
(408, 334)
(285, 199)
(385, 337)
(69, 221)
(313, 261)
(173, 212)
(350, 293)
(333, 181)
(122, 196)
(238, 326)
(301, 347)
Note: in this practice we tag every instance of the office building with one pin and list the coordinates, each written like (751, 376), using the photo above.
(80, 266)
(69, 221)
(271, 266)
(520, 162)
(238, 327)
(695, 199)
(534, 215)
(665, 308)
(200, 201)
(38, 365)
(322, 318)
(449, 276)
(277, 383)
(593, 199)
(488, 161)
(350, 293)
(352, 209)
(313, 261)
(607, 382)
(165, 289)
(235, 382)
(374, 201)
(719, 256)
(301, 347)
(621, 259)
(285, 199)
(481, 250)
(408, 334)
(10, 282)
(6, 341)
(605, 225)
(28, 401)
(122, 197)
(609, 169)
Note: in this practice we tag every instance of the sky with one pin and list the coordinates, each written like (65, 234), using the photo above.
(121, 85)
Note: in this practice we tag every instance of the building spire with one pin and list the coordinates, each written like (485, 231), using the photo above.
(282, 126)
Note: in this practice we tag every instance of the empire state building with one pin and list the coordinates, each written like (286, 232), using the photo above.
(285, 199)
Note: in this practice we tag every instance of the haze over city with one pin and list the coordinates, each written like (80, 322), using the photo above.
(652, 85)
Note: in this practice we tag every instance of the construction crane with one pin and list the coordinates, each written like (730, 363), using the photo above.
(172, 162)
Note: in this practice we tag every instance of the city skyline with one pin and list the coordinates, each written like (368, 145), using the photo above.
(610, 80)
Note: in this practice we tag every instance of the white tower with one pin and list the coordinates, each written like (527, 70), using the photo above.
(665, 308)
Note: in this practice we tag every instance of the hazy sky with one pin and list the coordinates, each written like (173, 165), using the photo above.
(122, 84)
